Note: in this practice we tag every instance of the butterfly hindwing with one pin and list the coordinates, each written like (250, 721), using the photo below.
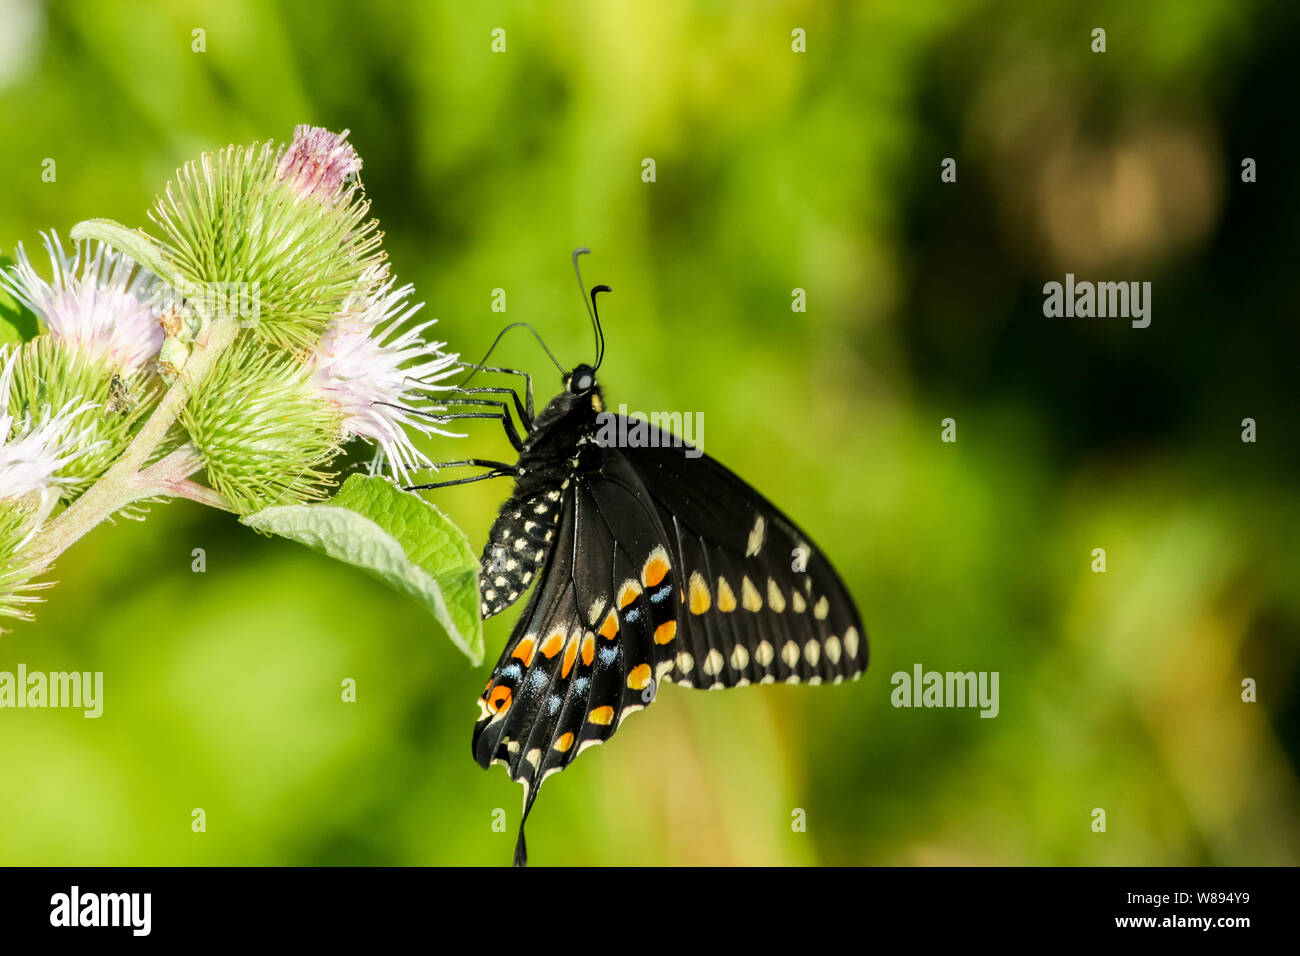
(514, 703)
(643, 565)
(583, 655)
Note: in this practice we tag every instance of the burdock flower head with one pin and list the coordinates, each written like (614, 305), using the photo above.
(33, 454)
(332, 354)
(33, 450)
(97, 301)
(235, 223)
(381, 376)
(264, 437)
(91, 369)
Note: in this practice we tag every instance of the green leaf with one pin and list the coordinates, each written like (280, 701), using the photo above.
(397, 537)
(17, 322)
(132, 242)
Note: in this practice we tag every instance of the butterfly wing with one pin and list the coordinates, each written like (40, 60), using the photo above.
(759, 602)
(582, 656)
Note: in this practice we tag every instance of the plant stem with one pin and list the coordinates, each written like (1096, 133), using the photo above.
(125, 482)
(169, 478)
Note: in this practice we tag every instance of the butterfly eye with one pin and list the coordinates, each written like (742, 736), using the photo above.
(582, 380)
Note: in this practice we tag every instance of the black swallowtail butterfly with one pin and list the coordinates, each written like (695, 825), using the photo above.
(648, 566)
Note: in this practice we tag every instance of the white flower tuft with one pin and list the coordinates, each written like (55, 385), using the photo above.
(97, 299)
(31, 453)
(382, 377)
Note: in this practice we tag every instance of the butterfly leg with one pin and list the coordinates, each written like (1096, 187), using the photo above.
(496, 469)
(503, 416)
(502, 413)
(525, 415)
(477, 462)
(528, 381)
(505, 413)
(456, 481)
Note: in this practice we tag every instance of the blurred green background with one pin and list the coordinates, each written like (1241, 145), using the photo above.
(776, 170)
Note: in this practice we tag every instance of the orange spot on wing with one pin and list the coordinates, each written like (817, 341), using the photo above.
(551, 646)
(602, 715)
(638, 677)
(665, 632)
(524, 650)
(499, 698)
(656, 568)
(609, 630)
(564, 743)
(628, 594)
(588, 648)
(570, 655)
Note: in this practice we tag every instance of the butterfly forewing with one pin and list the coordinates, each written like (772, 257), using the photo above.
(759, 601)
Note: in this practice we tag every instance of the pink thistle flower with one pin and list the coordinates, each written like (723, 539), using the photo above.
(317, 162)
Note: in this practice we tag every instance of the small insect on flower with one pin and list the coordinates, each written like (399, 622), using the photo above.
(381, 376)
(120, 400)
(98, 300)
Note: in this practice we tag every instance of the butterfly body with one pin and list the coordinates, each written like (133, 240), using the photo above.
(556, 449)
(647, 566)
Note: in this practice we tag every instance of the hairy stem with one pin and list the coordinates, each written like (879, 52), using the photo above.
(125, 482)
(169, 478)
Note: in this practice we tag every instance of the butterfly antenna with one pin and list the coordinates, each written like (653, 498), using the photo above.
(591, 305)
(497, 341)
(600, 357)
